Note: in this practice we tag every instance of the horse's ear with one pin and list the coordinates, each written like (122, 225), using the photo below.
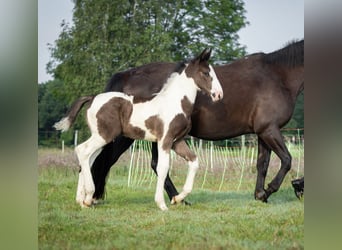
(205, 55)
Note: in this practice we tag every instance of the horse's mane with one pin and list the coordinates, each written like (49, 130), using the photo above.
(291, 55)
(180, 66)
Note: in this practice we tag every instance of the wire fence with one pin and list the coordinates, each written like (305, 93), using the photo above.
(224, 165)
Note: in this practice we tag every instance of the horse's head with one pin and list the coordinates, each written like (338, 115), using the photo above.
(204, 75)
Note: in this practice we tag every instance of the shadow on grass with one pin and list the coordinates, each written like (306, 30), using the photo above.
(144, 197)
(284, 195)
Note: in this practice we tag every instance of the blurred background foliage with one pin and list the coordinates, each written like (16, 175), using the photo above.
(111, 36)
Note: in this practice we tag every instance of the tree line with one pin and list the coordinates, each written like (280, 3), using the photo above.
(111, 36)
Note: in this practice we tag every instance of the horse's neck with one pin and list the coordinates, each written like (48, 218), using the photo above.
(177, 87)
(295, 81)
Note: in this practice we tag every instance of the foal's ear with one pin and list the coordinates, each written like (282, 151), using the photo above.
(205, 55)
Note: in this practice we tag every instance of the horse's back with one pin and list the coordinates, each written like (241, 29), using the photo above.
(253, 97)
(141, 81)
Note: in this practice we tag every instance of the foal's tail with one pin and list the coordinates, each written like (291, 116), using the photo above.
(65, 123)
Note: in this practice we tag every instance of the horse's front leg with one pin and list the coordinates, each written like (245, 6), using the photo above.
(162, 170)
(182, 149)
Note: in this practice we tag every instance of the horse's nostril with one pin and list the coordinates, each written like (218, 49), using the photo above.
(213, 95)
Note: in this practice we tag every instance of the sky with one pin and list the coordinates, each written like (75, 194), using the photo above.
(271, 25)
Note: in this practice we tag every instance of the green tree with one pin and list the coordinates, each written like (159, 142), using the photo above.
(110, 36)
(297, 120)
(212, 24)
(51, 106)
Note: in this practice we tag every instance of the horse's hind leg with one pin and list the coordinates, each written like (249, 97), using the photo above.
(102, 164)
(264, 153)
(85, 153)
(274, 140)
(182, 149)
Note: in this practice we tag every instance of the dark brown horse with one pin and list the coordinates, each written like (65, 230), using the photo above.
(260, 92)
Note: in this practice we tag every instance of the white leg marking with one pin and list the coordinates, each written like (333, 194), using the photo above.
(80, 194)
(189, 182)
(162, 170)
(85, 152)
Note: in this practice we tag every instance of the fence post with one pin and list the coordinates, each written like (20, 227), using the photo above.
(75, 138)
(62, 146)
(211, 155)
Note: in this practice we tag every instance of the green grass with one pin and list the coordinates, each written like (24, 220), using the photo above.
(129, 218)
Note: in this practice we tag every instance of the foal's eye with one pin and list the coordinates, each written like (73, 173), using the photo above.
(206, 74)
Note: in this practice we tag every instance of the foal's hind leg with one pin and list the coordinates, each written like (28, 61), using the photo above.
(86, 152)
(274, 140)
(182, 149)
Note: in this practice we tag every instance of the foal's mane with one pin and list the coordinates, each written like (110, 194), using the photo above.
(178, 69)
(292, 55)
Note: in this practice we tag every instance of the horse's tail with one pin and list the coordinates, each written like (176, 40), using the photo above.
(65, 123)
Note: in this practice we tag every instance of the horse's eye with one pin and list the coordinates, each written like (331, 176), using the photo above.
(206, 74)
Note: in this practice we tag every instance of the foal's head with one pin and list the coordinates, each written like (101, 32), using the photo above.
(204, 75)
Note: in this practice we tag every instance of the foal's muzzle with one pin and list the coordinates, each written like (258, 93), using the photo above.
(216, 95)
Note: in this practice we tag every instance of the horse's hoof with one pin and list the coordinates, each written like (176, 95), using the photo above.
(97, 201)
(298, 186)
(86, 205)
(174, 201)
(299, 194)
(163, 208)
(186, 203)
(261, 196)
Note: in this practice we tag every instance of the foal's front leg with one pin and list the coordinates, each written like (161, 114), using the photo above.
(162, 170)
(80, 193)
(183, 150)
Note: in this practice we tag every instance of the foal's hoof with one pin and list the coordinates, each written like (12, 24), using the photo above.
(163, 208)
(174, 201)
(97, 201)
(86, 205)
(261, 196)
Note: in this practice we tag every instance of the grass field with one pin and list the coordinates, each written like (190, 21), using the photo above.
(129, 218)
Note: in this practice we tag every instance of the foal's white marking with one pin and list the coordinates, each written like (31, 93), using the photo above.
(189, 182)
(216, 87)
(166, 104)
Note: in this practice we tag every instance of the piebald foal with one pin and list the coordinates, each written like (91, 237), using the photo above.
(165, 119)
